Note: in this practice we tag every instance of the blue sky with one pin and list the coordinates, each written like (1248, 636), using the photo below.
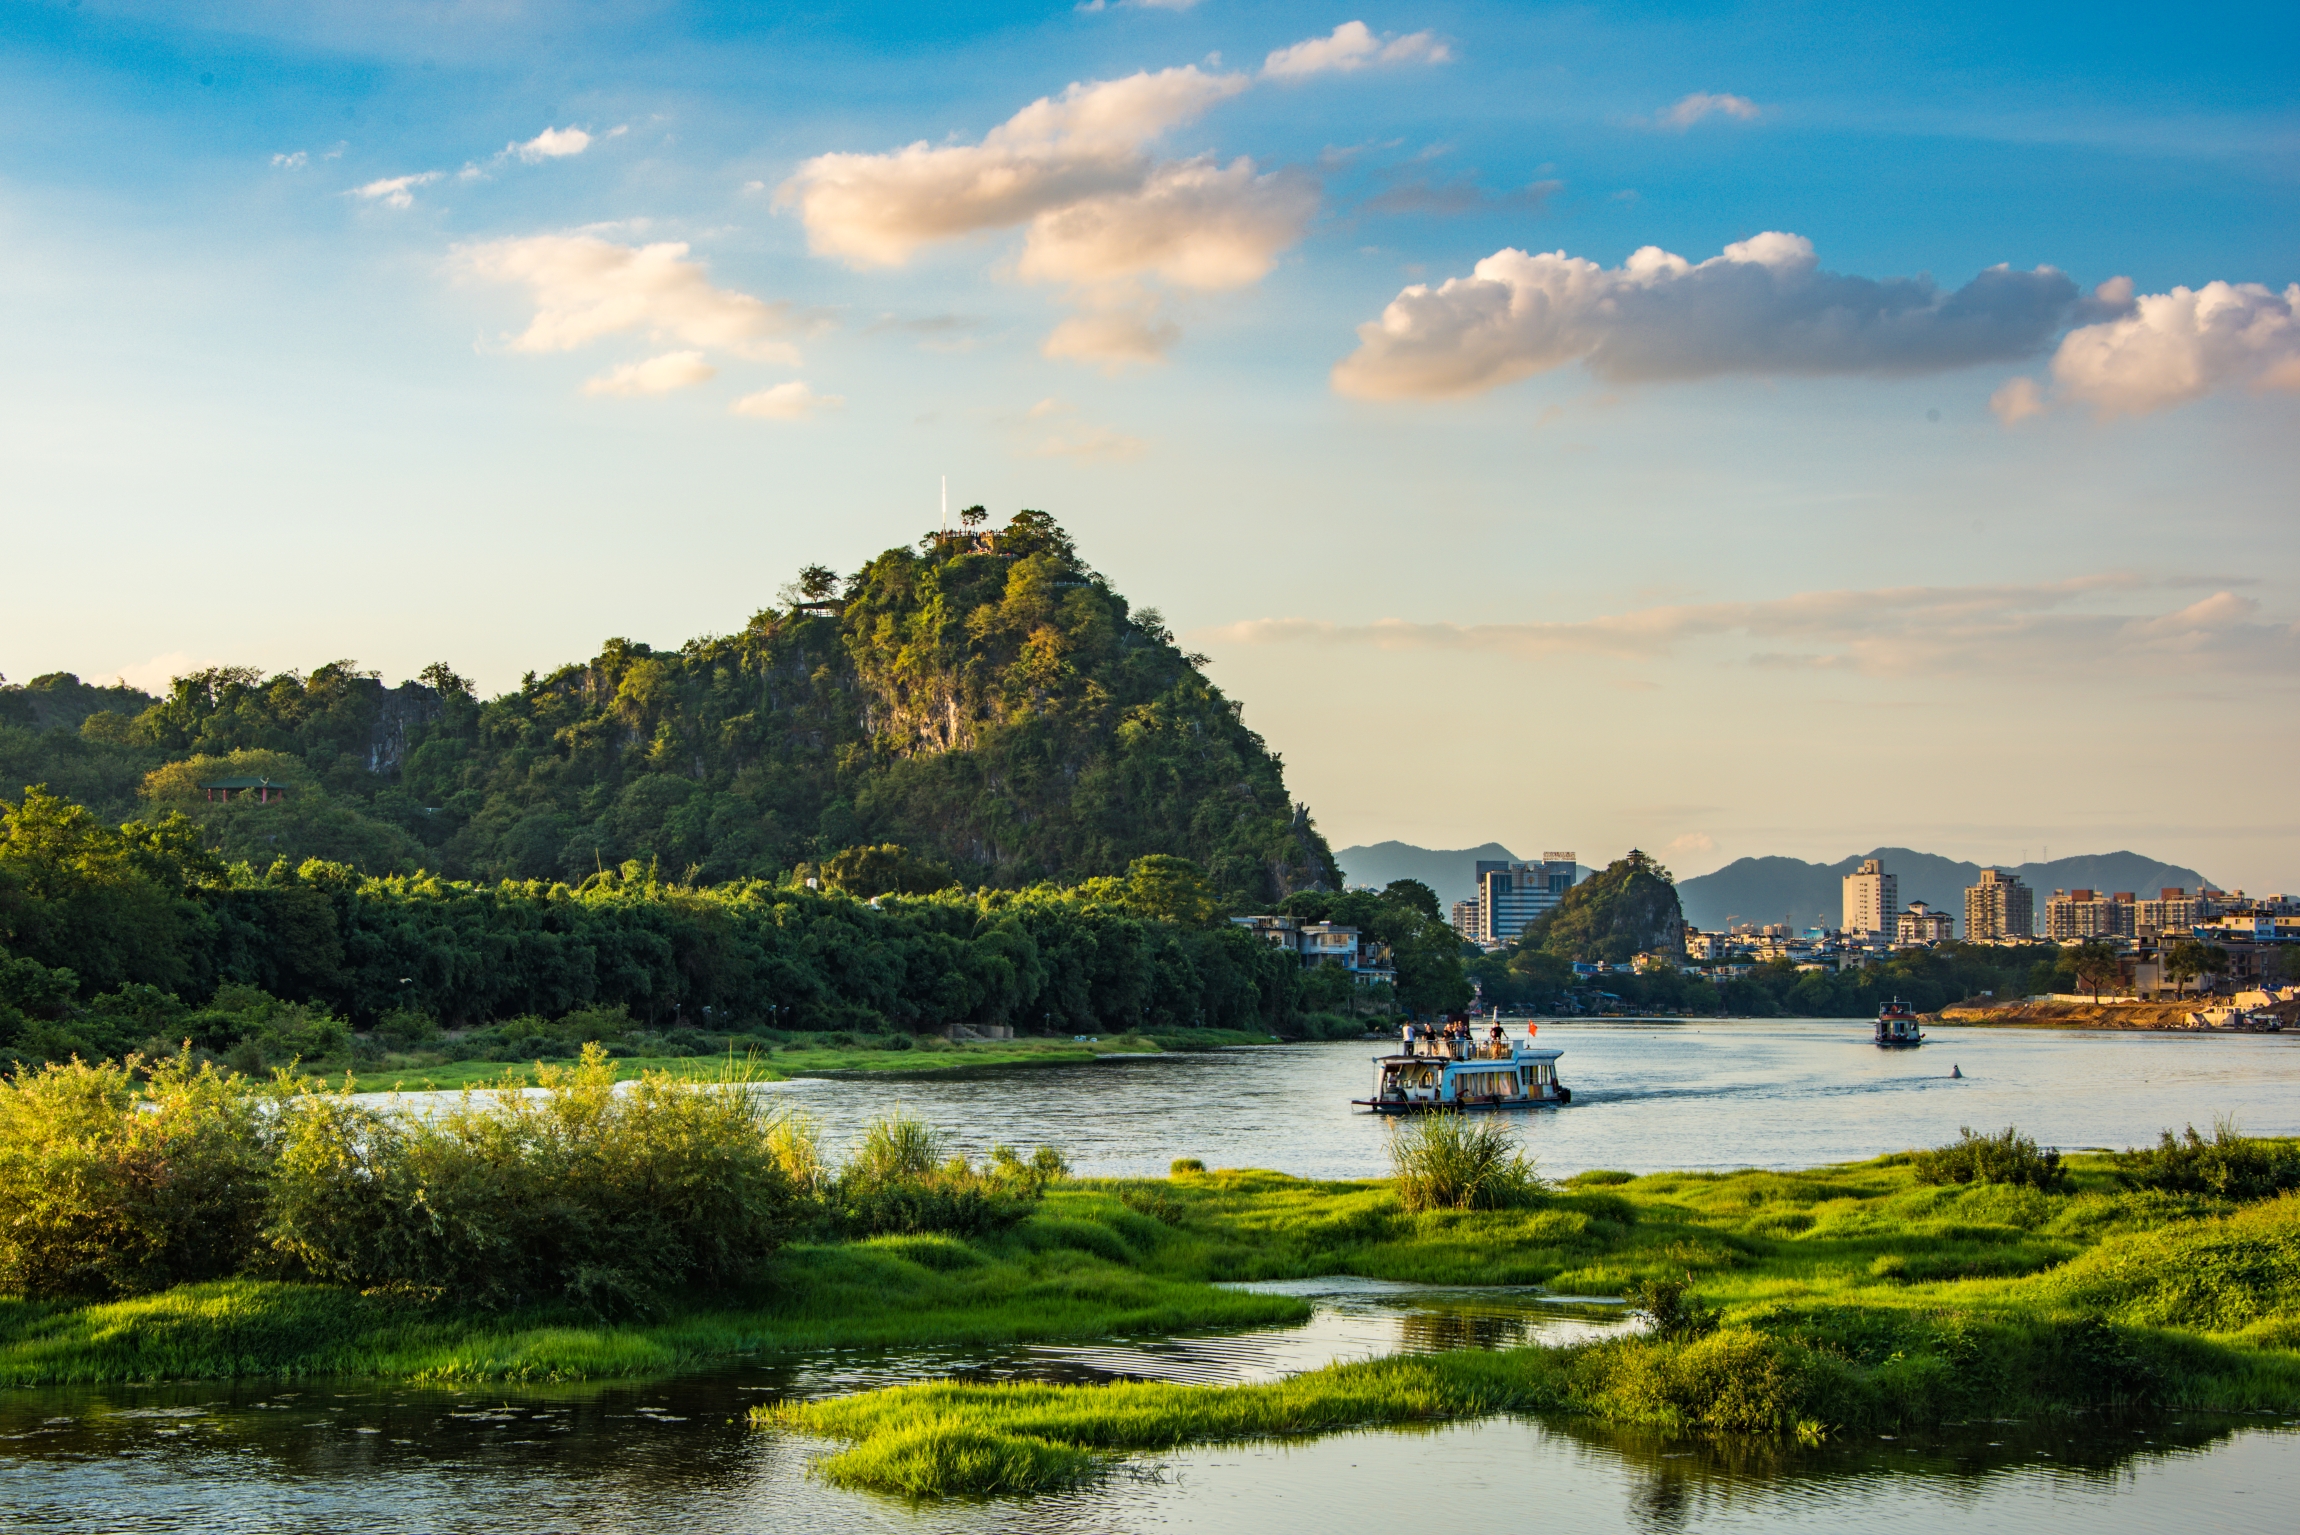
(480, 332)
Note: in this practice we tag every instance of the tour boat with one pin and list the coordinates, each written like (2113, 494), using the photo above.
(1466, 1075)
(1897, 1025)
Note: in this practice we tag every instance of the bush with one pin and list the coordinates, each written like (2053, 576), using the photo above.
(1676, 1316)
(2228, 1166)
(900, 1182)
(102, 1197)
(1445, 1162)
(2007, 1157)
(580, 1192)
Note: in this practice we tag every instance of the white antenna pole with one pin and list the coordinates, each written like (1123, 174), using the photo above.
(946, 503)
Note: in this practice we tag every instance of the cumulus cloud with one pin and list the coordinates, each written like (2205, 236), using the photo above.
(395, 191)
(657, 375)
(1691, 109)
(793, 401)
(1968, 631)
(291, 162)
(1193, 225)
(1352, 46)
(551, 144)
(1764, 306)
(585, 288)
(2167, 349)
(878, 210)
(1103, 219)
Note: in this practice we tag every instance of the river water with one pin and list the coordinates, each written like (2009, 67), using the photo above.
(678, 1455)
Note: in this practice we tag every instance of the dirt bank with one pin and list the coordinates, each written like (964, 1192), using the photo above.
(2105, 1015)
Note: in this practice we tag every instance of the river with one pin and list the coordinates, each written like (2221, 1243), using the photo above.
(354, 1457)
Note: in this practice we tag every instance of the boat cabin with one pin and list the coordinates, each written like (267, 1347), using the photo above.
(1897, 1024)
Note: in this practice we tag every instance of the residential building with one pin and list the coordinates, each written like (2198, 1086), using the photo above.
(1872, 900)
(1999, 907)
(1465, 919)
(1512, 896)
(1278, 932)
(2175, 911)
(1325, 943)
(2071, 916)
(1921, 924)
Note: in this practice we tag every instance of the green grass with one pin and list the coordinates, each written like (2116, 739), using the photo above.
(1853, 1299)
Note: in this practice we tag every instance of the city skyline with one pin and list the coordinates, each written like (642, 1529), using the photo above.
(1723, 433)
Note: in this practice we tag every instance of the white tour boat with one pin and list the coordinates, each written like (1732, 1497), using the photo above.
(1466, 1074)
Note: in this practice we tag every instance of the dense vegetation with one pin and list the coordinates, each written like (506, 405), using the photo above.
(986, 701)
(610, 1200)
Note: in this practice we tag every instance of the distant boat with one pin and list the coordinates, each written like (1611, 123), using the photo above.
(1481, 1075)
(1897, 1025)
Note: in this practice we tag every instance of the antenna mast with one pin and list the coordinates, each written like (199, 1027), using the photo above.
(946, 503)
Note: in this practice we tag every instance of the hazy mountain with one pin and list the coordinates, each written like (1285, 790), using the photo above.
(1451, 872)
(1812, 894)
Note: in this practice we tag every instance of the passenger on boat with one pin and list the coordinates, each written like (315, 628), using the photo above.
(1499, 1041)
(1406, 1035)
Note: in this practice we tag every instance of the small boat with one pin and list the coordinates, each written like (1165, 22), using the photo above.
(1513, 1075)
(1897, 1025)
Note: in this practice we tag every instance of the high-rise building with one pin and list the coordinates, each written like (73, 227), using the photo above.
(1512, 896)
(1999, 907)
(1465, 919)
(1872, 900)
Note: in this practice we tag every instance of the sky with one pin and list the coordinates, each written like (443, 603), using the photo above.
(1726, 430)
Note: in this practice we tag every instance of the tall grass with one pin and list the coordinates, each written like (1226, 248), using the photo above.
(2231, 1165)
(2006, 1157)
(1446, 1161)
(903, 1179)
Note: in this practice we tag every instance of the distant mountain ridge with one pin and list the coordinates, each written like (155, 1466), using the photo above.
(1812, 894)
(1451, 872)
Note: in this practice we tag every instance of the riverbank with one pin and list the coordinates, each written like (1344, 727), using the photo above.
(2108, 1014)
(925, 1057)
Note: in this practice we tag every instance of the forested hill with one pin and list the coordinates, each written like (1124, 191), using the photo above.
(985, 701)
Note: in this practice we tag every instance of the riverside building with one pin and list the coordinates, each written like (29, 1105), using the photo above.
(1921, 924)
(1872, 900)
(2073, 915)
(1999, 907)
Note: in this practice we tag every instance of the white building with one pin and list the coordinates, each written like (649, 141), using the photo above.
(1872, 900)
(1921, 924)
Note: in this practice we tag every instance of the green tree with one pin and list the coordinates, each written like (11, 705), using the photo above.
(2096, 966)
(2183, 962)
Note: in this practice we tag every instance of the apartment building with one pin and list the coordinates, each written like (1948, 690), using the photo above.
(2073, 915)
(1922, 924)
(1872, 900)
(1465, 920)
(1999, 907)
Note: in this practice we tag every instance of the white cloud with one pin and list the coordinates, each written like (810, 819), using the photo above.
(2170, 349)
(551, 144)
(1692, 109)
(1762, 307)
(793, 401)
(1104, 220)
(1352, 46)
(878, 210)
(657, 375)
(585, 288)
(1693, 842)
(1193, 225)
(395, 191)
(291, 162)
(2042, 629)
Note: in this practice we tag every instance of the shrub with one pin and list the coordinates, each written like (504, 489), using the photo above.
(103, 1196)
(1676, 1316)
(1181, 1165)
(899, 1181)
(2007, 1157)
(2228, 1166)
(1443, 1161)
(580, 1192)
